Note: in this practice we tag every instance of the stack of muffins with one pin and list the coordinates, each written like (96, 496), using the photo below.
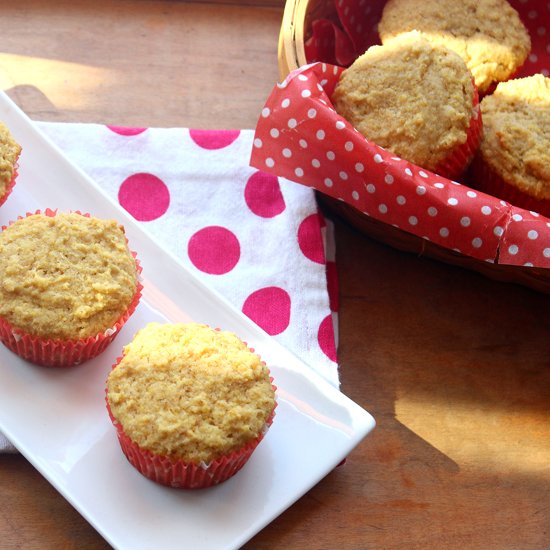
(416, 95)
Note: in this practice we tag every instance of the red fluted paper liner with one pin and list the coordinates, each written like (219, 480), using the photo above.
(50, 352)
(456, 162)
(9, 187)
(299, 136)
(178, 473)
(491, 182)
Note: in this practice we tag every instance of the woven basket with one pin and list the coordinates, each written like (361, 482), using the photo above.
(295, 30)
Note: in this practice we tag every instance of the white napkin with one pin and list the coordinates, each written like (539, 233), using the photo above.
(258, 240)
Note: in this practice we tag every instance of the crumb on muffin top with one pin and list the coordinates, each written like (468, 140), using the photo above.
(65, 277)
(516, 144)
(410, 97)
(9, 153)
(487, 34)
(190, 392)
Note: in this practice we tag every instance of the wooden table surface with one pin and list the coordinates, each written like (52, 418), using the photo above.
(454, 367)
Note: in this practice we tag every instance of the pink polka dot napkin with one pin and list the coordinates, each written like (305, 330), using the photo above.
(256, 238)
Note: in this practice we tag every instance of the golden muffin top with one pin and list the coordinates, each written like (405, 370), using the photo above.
(190, 392)
(516, 144)
(409, 96)
(65, 277)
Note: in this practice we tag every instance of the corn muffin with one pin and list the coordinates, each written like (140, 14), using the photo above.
(9, 154)
(415, 99)
(487, 34)
(66, 280)
(190, 403)
(513, 161)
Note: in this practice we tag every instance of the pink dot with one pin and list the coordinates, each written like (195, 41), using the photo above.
(124, 131)
(145, 196)
(332, 286)
(214, 139)
(214, 250)
(263, 195)
(269, 308)
(325, 337)
(310, 239)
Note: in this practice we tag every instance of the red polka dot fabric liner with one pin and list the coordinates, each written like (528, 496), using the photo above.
(256, 238)
(299, 136)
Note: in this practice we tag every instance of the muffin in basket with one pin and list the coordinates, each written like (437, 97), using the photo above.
(415, 99)
(190, 403)
(67, 285)
(513, 161)
(487, 34)
(9, 154)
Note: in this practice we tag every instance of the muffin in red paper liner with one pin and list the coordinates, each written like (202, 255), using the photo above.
(68, 284)
(9, 154)
(415, 99)
(513, 161)
(190, 403)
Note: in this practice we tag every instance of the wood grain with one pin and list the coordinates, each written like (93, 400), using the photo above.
(454, 367)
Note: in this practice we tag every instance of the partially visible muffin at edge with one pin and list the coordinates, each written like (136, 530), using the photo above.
(513, 161)
(488, 34)
(415, 99)
(9, 154)
(189, 400)
(65, 277)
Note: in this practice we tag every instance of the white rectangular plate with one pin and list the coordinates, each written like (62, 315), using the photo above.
(58, 420)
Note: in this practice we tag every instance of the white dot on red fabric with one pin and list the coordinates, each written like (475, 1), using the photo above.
(546, 252)
(310, 239)
(377, 158)
(432, 211)
(513, 249)
(444, 232)
(355, 195)
(359, 167)
(348, 146)
(452, 201)
(287, 153)
(292, 123)
(343, 175)
(269, 308)
(408, 171)
(477, 242)
(498, 231)
(210, 139)
(258, 143)
(269, 162)
(439, 185)
(303, 143)
(325, 337)
(420, 190)
(400, 199)
(315, 163)
(274, 133)
(145, 196)
(533, 235)
(320, 134)
(328, 182)
(124, 131)
(263, 196)
(388, 178)
(266, 111)
(312, 113)
(382, 208)
(422, 174)
(302, 77)
(306, 93)
(214, 250)
(299, 172)
(285, 103)
(340, 125)
(331, 155)
(486, 210)
(465, 221)
(413, 220)
(517, 217)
